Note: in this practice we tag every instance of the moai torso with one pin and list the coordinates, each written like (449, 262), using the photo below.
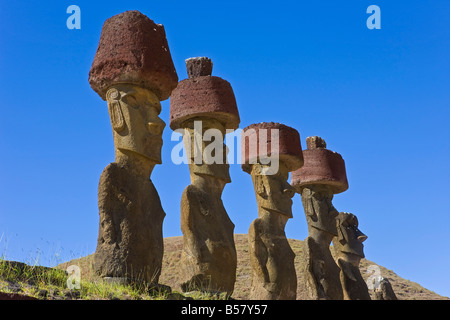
(322, 176)
(130, 240)
(272, 259)
(209, 257)
(133, 71)
(203, 103)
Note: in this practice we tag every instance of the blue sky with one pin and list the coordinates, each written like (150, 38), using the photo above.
(378, 97)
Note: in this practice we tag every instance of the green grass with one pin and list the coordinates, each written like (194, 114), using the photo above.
(51, 283)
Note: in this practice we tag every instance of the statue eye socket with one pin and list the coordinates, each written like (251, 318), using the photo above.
(318, 196)
(131, 101)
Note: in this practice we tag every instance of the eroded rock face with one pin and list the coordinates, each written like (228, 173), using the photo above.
(209, 257)
(384, 291)
(199, 67)
(199, 104)
(271, 257)
(133, 49)
(130, 239)
(133, 71)
(322, 175)
(203, 95)
(321, 166)
(348, 246)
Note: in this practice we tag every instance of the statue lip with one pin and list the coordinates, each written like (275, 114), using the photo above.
(155, 128)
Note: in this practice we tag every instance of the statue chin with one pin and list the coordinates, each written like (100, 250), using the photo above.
(151, 154)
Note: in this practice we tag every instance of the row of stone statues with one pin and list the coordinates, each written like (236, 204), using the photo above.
(133, 71)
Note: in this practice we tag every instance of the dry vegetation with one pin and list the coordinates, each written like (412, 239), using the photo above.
(404, 289)
(44, 283)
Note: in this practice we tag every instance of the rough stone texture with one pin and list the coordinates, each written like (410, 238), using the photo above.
(208, 260)
(198, 67)
(271, 257)
(133, 49)
(133, 71)
(137, 127)
(209, 255)
(130, 240)
(348, 246)
(322, 175)
(289, 147)
(322, 274)
(321, 166)
(203, 96)
(384, 291)
(315, 142)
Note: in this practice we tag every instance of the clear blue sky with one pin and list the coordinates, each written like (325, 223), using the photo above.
(378, 97)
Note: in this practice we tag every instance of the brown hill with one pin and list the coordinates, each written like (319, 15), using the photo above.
(404, 289)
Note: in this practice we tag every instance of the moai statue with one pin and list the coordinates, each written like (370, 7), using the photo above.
(384, 290)
(322, 175)
(269, 152)
(203, 108)
(349, 250)
(133, 71)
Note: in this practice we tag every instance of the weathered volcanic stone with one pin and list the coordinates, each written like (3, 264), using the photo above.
(348, 247)
(321, 166)
(272, 259)
(289, 146)
(203, 96)
(130, 241)
(322, 176)
(208, 260)
(133, 49)
(133, 71)
(198, 67)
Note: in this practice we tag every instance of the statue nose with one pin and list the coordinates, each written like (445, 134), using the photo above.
(362, 237)
(156, 128)
(289, 191)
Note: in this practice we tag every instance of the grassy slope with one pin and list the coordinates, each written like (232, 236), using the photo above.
(404, 289)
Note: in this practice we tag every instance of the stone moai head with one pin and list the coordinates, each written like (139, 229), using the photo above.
(204, 108)
(133, 71)
(269, 152)
(350, 239)
(322, 175)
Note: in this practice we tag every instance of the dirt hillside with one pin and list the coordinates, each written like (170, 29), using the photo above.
(404, 289)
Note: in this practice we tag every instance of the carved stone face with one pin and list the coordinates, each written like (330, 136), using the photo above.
(273, 192)
(319, 209)
(207, 137)
(137, 127)
(350, 238)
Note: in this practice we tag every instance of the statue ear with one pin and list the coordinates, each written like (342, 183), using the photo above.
(342, 222)
(308, 204)
(260, 187)
(341, 235)
(115, 110)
